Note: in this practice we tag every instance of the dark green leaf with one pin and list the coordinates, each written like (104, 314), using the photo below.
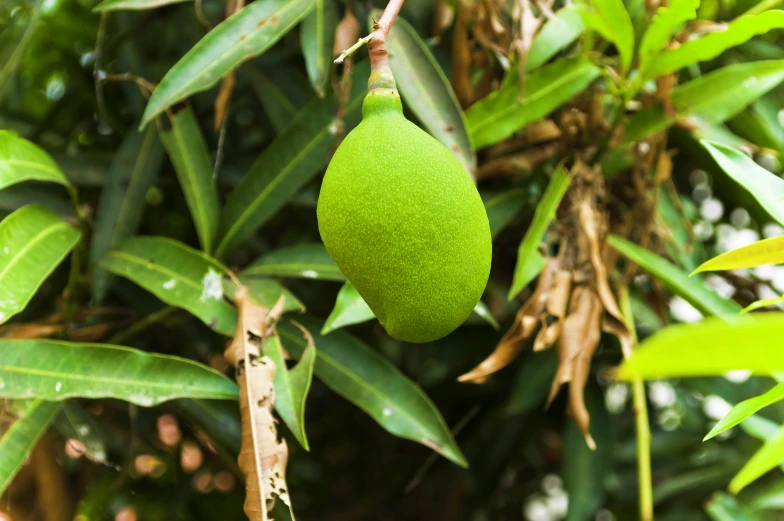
(500, 114)
(317, 38)
(428, 93)
(132, 173)
(723, 507)
(370, 382)
(247, 33)
(482, 311)
(11, 65)
(74, 422)
(502, 207)
(116, 5)
(33, 242)
(745, 409)
(21, 160)
(191, 159)
(286, 165)
(714, 43)
(691, 289)
(309, 261)
(349, 309)
(281, 95)
(529, 259)
(55, 370)
(178, 275)
(532, 382)
(32, 419)
(291, 387)
(557, 34)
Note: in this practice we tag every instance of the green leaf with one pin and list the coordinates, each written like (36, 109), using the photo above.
(714, 43)
(265, 292)
(291, 387)
(500, 114)
(723, 507)
(767, 251)
(746, 408)
(117, 5)
(482, 311)
(770, 497)
(668, 19)
(317, 39)
(349, 309)
(763, 303)
(286, 165)
(372, 383)
(55, 370)
(765, 459)
(765, 187)
(281, 96)
(134, 170)
(247, 33)
(33, 242)
(759, 124)
(21, 160)
(32, 420)
(10, 68)
(532, 383)
(75, 422)
(428, 92)
(611, 20)
(308, 261)
(554, 36)
(721, 94)
(691, 289)
(502, 207)
(530, 260)
(178, 275)
(191, 159)
(710, 347)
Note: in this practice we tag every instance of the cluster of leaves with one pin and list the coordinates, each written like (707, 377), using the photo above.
(134, 213)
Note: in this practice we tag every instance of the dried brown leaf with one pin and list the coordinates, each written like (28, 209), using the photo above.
(346, 33)
(443, 16)
(557, 302)
(262, 456)
(461, 56)
(222, 100)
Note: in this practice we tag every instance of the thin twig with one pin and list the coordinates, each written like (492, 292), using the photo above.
(98, 74)
(351, 50)
(376, 41)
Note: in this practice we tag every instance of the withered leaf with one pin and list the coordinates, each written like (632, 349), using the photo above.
(262, 457)
(556, 308)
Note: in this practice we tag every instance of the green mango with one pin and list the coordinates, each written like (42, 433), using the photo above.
(403, 221)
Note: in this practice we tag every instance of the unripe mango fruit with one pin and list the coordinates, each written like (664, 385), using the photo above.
(403, 221)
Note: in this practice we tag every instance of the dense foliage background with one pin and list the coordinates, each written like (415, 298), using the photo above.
(617, 96)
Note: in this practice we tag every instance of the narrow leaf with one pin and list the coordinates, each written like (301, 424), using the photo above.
(502, 207)
(309, 261)
(691, 289)
(482, 311)
(372, 383)
(714, 43)
(611, 20)
(530, 260)
(760, 253)
(33, 242)
(745, 409)
(132, 173)
(765, 459)
(764, 186)
(723, 507)
(282, 94)
(191, 159)
(349, 309)
(292, 386)
(248, 33)
(265, 292)
(178, 275)
(428, 92)
(117, 5)
(21, 160)
(668, 20)
(556, 35)
(500, 114)
(710, 347)
(286, 165)
(55, 370)
(32, 420)
(317, 39)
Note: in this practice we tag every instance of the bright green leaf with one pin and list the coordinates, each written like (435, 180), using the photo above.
(247, 33)
(55, 370)
(765, 187)
(191, 159)
(428, 92)
(530, 260)
(21, 160)
(372, 383)
(765, 459)
(746, 408)
(611, 20)
(349, 309)
(33, 242)
(317, 39)
(763, 303)
(767, 251)
(691, 289)
(723, 507)
(291, 387)
(502, 207)
(667, 20)
(309, 261)
(134, 170)
(32, 419)
(554, 36)
(117, 5)
(714, 43)
(286, 165)
(178, 275)
(500, 114)
(482, 311)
